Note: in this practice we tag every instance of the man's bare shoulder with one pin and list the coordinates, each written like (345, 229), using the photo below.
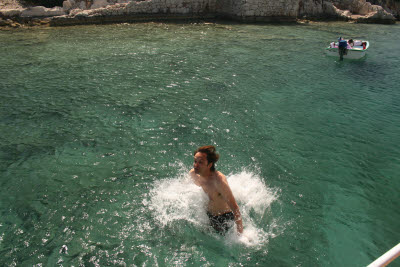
(222, 183)
(220, 177)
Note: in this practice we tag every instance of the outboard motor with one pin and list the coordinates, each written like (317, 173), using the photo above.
(342, 48)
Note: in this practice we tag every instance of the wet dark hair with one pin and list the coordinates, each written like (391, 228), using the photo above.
(212, 156)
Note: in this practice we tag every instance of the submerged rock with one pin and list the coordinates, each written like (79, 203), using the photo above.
(10, 12)
(3, 22)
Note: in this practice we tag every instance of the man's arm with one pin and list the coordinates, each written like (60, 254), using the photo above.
(230, 200)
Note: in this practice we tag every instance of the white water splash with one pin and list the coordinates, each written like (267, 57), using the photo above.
(254, 199)
(176, 199)
(180, 199)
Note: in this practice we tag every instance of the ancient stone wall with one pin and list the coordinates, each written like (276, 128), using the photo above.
(98, 11)
(245, 10)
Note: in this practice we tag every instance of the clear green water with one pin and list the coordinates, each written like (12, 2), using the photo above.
(98, 125)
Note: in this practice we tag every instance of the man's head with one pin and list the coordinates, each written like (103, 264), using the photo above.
(205, 153)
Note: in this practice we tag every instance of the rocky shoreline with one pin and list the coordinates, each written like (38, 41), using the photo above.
(78, 12)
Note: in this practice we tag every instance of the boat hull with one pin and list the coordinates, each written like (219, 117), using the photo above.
(355, 53)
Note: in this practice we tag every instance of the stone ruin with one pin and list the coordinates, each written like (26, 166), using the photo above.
(102, 11)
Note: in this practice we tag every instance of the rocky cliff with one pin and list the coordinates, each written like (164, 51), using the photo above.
(392, 6)
(100, 11)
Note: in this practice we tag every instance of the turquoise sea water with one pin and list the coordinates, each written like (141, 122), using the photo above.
(98, 125)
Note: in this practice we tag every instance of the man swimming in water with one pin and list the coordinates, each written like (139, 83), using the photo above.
(222, 207)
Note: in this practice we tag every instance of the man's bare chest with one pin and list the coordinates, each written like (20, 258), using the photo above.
(211, 190)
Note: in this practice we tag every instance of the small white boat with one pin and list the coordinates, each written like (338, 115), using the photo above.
(354, 50)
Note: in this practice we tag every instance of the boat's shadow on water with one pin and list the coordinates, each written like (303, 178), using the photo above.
(346, 60)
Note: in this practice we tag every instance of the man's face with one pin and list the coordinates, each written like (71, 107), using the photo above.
(200, 163)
